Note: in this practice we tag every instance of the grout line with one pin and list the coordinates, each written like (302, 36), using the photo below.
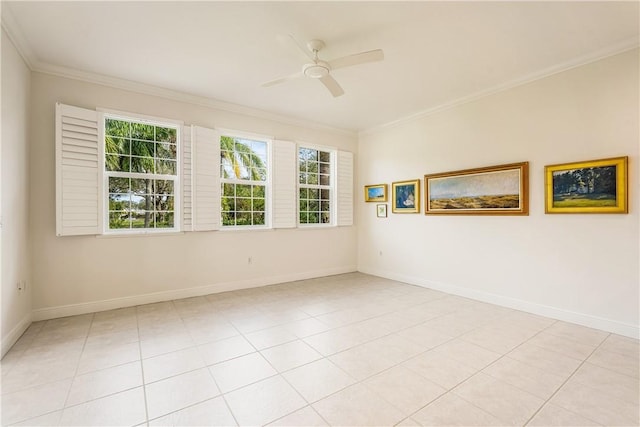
(144, 385)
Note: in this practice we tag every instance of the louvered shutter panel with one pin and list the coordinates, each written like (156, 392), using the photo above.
(345, 188)
(284, 184)
(78, 174)
(206, 179)
(187, 187)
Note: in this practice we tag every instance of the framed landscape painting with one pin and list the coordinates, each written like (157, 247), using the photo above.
(406, 196)
(595, 186)
(375, 193)
(494, 190)
(381, 211)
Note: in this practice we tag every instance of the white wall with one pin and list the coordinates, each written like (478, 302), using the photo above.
(81, 274)
(580, 268)
(16, 305)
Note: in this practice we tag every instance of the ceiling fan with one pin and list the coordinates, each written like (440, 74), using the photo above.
(321, 70)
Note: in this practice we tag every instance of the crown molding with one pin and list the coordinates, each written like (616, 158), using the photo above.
(623, 46)
(12, 30)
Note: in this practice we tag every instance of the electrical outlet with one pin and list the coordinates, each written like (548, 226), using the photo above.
(19, 285)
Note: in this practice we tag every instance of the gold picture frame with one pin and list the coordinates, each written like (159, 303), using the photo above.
(375, 193)
(493, 190)
(593, 186)
(406, 196)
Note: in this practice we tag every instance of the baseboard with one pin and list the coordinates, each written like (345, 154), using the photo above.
(13, 336)
(609, 325)
(130, 301)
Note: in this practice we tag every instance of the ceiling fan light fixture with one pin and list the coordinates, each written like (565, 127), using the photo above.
(316, 71)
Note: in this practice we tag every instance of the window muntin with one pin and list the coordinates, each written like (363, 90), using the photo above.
(315, 186)
(244, 176)
(141, 170)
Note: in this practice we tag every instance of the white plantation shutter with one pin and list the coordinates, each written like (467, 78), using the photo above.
(78, 171)
(284, 184)
(187, 187)
(345, 188)
(205, 198)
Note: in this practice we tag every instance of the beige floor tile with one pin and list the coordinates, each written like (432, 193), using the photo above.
(357, 406)
(620, 386)
(170, 364)
(404, 389)
(165, 343)
(97, 356)
(423, 335)
(577, 333)
(102, 383)
(500, 399)
(178, 392)
(332, 341)
(212, 412)
(618, 362)
(546, 360)
(225, 349)
(440, 369)
(270, 337)
(361, 363)
(264, 401)
(306, 327)
(27, 374)
(126, 408)
(558, 344)
(625, 346)
(467, 353)
(526, 377)
(52, 419)
(112, 338)
(451, 410)
(306, 416)
(34, 401)
(408, 422)
(203, 332)
(239, 372)
(318, 379)
(497, 339)
(290, 355)
(394, 348)
(596, 405)
(552, 415)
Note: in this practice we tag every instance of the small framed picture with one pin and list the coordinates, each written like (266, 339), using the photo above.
(381, 210)
(594, 186)
(406, 196)
(375, 193)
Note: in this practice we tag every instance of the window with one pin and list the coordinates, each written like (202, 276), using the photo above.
(315, 186)
(243, 176)
(141, 174)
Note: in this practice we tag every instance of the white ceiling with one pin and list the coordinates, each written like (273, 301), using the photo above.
(436, 53)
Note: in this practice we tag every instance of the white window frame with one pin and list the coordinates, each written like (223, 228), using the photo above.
(177, 185)
(333, 152)
(268, 204)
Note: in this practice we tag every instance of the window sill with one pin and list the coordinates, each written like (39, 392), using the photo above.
(139, 234)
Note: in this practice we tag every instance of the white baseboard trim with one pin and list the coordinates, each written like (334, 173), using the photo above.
(13, 335)
(130, 301)
(609, 325)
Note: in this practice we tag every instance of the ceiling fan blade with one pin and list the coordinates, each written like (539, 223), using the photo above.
(281, 80)
(333, 86)
(358, 58)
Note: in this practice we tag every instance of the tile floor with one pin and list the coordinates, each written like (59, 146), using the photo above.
(347, 350)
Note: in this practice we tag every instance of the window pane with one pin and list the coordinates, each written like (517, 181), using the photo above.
(119, 220)
(165, 167)
(312, 179)
(228, 189)
(143, 131)
(258, 191)
(164, 219)
(304, 218)
(314, 205)
(243, 218)
(243, 204)
(116, 163)
(117, 145)
(142, 202)
(325, 218)
(303, 178)
(258, 205)
(314, 193)
(314, 218)
(166, 134)
(304, 205)
(325, 206)
(312, 167)
(325, 168)
(119, 202)
(142, 148)
(258, 174)
(258, 218)
(228, 204)
(163, 186)
(304, 193)
(141, 186)
(142, 219)
(163, 203)
(141, 165)
(166, 151)
(118, 185)
(324, 180)
(243, 191)
(115, 127)
(325, 194)
(228, 218)
(325, 156)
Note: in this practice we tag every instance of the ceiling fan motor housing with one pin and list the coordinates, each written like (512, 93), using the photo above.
(316, 70)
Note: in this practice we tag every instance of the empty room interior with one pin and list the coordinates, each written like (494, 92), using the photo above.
(320, 213)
